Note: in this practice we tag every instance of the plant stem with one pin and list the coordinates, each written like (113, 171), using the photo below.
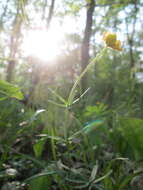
(93, 61)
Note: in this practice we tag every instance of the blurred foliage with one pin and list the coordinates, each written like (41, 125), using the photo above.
(54, 136)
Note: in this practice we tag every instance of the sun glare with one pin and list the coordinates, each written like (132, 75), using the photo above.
(42, 44)
(47, 45)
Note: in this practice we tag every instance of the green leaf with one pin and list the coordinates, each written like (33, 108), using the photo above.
(103, 177)
(127, 179)
(57, 95)
(41, 183)
(94, 172)
(9, 90)
(38, 147)
(92, 126)
(34, 117)
(131, 130)
(40, 175)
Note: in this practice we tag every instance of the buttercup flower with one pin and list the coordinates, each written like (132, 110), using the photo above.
(117, 45)
(111, 41)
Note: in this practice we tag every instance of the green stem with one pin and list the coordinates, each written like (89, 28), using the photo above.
(53, 145)
(93, 61)
(66, 125)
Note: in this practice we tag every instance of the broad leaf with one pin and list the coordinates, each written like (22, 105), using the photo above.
(9, 90)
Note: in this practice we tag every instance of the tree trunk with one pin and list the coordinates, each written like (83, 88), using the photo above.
(13, 48)
(85, 42)
(130, 36)
(51, 11)
(14, 42)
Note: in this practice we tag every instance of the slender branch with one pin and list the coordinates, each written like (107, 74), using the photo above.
(51, 10)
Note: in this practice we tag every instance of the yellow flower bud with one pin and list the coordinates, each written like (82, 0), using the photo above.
(111, 41)
(109, 38)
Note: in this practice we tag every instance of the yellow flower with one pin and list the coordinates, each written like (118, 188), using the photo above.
(109, 38)
(111, 41)
(117, 45)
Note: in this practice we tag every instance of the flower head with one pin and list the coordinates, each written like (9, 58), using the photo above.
(111, 41)
(117, 45)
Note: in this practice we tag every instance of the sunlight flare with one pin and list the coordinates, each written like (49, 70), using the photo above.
(42, 44)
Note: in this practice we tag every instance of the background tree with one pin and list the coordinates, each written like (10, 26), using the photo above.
(86, 40)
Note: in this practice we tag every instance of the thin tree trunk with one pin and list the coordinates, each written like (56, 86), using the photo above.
(14, 42)
(86, 41)
(130, 37)
(51, 11)
(13, 48)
